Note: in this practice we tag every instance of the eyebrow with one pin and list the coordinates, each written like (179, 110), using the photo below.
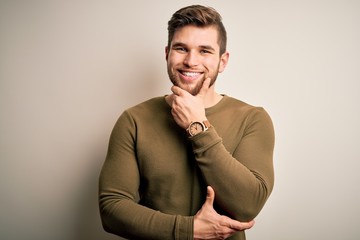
(178, 44)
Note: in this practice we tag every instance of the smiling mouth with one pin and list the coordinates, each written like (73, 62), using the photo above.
(190, 74)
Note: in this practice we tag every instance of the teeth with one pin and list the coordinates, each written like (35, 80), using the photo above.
(191, 74)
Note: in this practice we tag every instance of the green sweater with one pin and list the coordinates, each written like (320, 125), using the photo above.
(154, 177)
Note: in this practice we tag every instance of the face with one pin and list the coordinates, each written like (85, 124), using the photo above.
(194, 55)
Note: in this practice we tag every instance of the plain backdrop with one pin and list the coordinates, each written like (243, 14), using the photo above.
(69, 68)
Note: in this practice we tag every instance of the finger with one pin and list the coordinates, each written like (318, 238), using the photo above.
(240, 226)
(177, 90)
(247, 225)
(210, 196)
(205, 86)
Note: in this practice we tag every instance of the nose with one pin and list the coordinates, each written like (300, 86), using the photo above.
(191, 59)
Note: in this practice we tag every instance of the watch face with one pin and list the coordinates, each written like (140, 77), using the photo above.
(195, 128)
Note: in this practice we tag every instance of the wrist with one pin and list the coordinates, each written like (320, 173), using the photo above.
(197, 127)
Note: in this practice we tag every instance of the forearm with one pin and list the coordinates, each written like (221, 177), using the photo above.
(122, 215)
(128, 219)
(242, 190)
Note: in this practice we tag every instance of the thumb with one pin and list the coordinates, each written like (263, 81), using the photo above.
(205, 86)
(210, 196)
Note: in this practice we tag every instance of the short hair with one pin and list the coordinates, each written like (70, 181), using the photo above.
(199, 16)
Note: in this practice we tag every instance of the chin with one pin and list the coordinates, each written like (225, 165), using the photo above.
(193, 91)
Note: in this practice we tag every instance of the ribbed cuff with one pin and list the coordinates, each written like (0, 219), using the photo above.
(184, 228)
(205, 140)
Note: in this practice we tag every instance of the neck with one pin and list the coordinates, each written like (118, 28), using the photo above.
(212, 98)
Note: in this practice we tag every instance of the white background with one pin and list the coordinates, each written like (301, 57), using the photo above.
(69, 68)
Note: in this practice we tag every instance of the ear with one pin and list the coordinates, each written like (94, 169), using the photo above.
(166, 53)
(223, 61)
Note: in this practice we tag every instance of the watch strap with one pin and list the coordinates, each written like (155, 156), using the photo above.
(205, 126)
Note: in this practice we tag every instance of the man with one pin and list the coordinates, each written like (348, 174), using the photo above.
(168, 156)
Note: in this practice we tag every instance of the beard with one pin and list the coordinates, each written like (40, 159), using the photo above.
(176, 81)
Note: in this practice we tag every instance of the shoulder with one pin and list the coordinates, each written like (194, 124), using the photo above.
(147, 110)
(236, 103)
(232, 104)
(143, 112)
(241, 109)
(152, 102)
(252, 117)
(148, 107)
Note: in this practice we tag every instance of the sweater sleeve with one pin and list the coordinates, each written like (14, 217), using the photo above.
(243, 179)
(119, 182)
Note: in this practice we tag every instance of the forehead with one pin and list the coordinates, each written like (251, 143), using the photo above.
(194, 36)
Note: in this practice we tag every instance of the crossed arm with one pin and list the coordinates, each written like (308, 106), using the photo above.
(214, 161)
(208, 224)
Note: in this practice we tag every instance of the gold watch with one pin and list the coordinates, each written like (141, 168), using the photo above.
(198, 127)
